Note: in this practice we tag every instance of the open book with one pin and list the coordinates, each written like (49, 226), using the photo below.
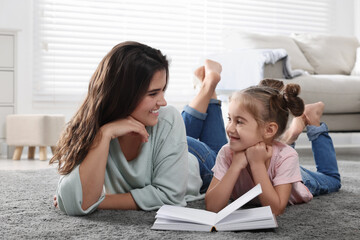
(228, 219)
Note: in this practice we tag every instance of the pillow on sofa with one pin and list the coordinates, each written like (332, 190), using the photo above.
(328, 54)
(255, 40)
(356, 69)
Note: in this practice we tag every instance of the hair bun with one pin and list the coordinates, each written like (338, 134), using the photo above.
(272, 83)
(294, 103)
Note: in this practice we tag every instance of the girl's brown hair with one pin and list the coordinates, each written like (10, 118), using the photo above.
(276, 100)
(115, 89)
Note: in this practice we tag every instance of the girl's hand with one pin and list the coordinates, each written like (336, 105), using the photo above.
(259, 153)
(125, 126)
(239, 160)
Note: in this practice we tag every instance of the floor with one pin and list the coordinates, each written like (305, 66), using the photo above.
(352, 154)
(24, 164)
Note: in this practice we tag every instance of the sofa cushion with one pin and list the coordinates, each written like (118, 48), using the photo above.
(340, 93)
(328, 54)
(255, 40)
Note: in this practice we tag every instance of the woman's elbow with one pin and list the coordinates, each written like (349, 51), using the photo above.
(68, 208)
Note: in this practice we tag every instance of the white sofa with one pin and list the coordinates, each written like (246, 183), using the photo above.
(332, 67)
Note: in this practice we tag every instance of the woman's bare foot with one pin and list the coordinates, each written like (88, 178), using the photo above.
(311, 116)
(212, 72)
(200, 73)
(209, 75)
(212, 76)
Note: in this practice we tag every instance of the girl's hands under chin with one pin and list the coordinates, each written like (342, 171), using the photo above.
(259, 153)
(239, 160)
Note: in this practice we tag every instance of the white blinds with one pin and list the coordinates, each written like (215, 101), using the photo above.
(72, 36)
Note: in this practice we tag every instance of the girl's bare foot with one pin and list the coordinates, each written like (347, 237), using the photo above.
(313, 113)
(296, 127)
(311, 116)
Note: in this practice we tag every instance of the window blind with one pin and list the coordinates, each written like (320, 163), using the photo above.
(72, 36)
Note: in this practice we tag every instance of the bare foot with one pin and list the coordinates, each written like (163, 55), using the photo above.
(296, 127)
(311, 116)
(200, 73)
(212, 72)
(212, 76)
(209, 75)
(313, 113)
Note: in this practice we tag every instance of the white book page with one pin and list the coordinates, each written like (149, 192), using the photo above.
(261, 224)
(248, 215)
(255, 191)
(187, 214)
(166, 224)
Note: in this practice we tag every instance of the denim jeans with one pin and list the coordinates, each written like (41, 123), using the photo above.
(327, 178)
(205, 136)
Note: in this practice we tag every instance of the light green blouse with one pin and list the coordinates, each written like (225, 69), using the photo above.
(163, 173)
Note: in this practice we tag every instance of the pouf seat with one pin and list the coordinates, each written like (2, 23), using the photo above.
(33, 130)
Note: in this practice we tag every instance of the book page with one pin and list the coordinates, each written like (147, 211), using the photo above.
(247, 215)
(255, 191)
(187, 214)
(166, 224)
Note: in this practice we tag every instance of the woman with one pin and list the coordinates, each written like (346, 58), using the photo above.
(124, 149)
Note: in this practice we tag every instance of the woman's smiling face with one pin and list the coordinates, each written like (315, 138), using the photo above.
(147, 111)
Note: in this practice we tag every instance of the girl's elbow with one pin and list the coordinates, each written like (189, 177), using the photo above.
(278, 210)
(210, 206)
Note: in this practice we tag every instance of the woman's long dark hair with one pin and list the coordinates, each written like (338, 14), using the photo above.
(115, 89)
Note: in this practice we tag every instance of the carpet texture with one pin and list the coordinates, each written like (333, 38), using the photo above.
(26, 212)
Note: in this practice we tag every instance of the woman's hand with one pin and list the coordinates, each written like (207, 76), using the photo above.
(93, 167)
(55, 202)
(125, 126)
(259, 153)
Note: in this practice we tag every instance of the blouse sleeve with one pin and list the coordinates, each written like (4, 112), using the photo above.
(287, 169)
(223, 162)
(69, 194)
(170, 166)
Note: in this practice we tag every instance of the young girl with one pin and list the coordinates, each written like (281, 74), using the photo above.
(257, 118)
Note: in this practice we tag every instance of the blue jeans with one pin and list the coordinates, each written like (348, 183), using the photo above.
(205, 136)
(327, 178)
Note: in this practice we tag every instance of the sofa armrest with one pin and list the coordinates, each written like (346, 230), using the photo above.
(274, 70)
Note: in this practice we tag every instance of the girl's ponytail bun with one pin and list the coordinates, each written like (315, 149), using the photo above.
(272, 83)
(294, 103)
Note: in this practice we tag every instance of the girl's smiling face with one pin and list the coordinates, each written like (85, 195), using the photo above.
(147, 111)
(242, 128)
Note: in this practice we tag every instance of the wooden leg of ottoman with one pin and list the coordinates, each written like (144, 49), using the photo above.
(17, 153)
(42, 153)
(53, 149)
(31, 152)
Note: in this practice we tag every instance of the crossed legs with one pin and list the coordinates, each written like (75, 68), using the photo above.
(327, 178)
(203, 116)
(204, 123)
